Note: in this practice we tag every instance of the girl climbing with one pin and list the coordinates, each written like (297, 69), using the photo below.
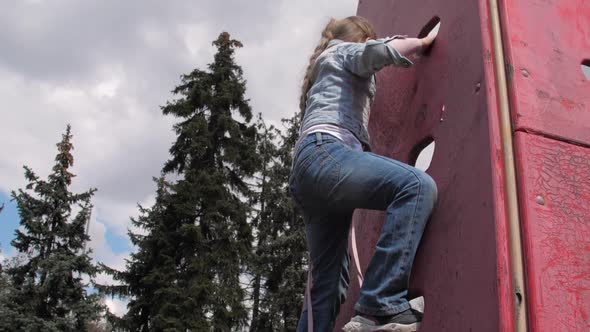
(334, 173)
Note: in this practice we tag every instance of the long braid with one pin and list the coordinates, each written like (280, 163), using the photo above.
(327, 36)
(351, 29)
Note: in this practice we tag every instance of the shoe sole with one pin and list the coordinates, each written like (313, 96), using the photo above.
(360, 324)
(397, 328)
(361, 327)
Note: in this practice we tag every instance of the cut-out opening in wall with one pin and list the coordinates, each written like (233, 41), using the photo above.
(433, 24)
(422, 154)
(586, 69)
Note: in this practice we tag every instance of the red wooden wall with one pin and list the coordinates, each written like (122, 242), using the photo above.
(463, 265)
(546, 43)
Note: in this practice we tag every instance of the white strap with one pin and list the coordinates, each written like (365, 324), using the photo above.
(355, 255)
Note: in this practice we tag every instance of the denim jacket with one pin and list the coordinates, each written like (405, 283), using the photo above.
(344, 84)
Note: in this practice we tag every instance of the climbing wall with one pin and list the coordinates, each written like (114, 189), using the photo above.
(546, 43)
(449, 97)
(462, 266)
(555, 196)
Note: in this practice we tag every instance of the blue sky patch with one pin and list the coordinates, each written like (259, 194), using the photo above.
(119, 244)
(9, 221)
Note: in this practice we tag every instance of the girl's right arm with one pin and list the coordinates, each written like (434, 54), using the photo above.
(365, 59)
(410, 46)
(407, 46)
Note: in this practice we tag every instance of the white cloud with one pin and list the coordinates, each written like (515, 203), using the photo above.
(116, 306)
(102, 251)
(274, 65)
(196, 39)
(105, 67)
(106, 89)
(120, 137)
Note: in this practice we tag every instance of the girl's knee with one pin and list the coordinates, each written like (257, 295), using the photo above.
(422, 183)
(428, 187)
(429, 184)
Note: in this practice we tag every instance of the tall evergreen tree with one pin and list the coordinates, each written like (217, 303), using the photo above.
(196, 249)
(46, 286)
(11, 313)
(141, 280)
(280, 255)
(268, 153)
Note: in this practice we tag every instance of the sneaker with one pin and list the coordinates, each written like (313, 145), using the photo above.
(406, 321)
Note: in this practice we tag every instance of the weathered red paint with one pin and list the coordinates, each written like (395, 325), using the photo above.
(545, 43)
(462, 267)
(555, 200)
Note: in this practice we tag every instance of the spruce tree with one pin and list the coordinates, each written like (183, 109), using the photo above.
(215, 154)
(45, 287)
(189, 274)
(280, 257)
(258, 265)
(141, 280)
(11, 314)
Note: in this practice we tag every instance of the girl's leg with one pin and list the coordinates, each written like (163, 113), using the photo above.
(329, 179)
(314, 175)
(327, 241)
(408, 195)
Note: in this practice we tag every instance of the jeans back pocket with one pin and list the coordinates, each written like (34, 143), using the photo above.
(314, 176)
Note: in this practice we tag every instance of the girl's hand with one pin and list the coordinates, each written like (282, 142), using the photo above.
(429, 39)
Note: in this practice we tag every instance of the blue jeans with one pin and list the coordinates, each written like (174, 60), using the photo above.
(328, 181)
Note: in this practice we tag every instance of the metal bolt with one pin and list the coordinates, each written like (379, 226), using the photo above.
(540, 200)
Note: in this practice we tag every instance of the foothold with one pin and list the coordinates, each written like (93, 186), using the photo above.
(434, 23)
(540, 200)
(524, 72)
(586, 69)
(433, 26)
(426, 152)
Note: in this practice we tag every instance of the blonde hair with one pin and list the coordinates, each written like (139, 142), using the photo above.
(350, 29)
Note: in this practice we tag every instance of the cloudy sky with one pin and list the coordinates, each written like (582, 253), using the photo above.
(106, 66)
